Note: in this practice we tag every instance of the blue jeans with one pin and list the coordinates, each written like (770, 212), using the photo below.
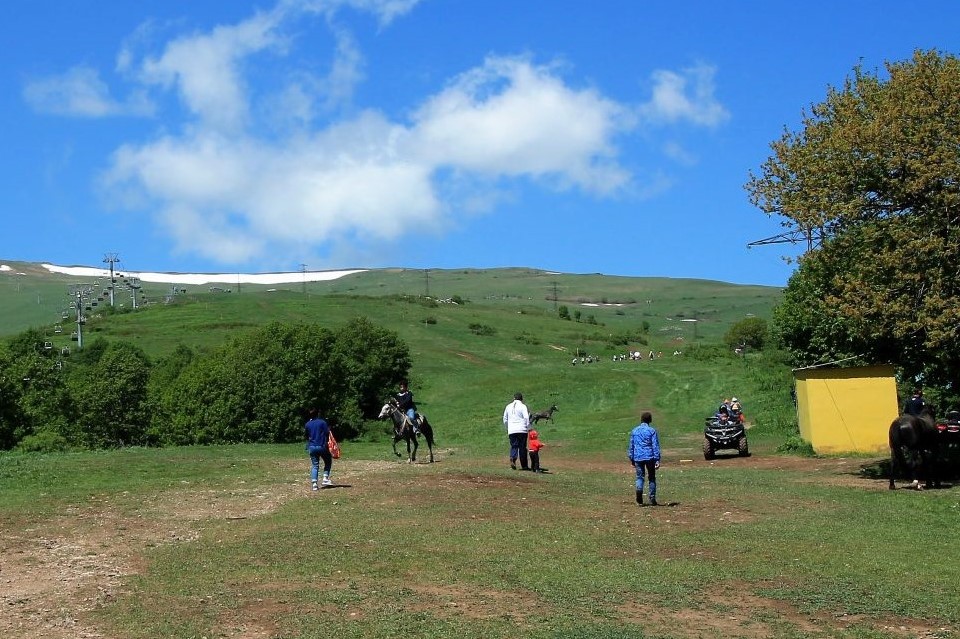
(316, 454)
(651, 471)
(412, 414)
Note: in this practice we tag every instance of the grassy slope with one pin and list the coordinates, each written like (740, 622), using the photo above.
(455, 549)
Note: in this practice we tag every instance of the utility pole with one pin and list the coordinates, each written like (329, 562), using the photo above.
(111, 259)
(555, 296)
(303, 271)
(426, 282)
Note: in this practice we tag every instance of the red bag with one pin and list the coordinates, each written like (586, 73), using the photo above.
(333, 446)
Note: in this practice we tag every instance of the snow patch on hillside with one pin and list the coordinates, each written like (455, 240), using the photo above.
(207, 278)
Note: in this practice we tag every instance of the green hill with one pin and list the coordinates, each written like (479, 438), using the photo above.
(504, 334)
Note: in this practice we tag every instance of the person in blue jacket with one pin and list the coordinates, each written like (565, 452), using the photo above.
(644, 455)
(317, 432)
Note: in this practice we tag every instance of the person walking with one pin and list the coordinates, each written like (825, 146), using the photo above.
(516, 418)
(317, 432)
(643, 452)
(533, 447)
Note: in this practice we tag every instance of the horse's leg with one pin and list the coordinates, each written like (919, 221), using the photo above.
(411, 447)
(396, 438)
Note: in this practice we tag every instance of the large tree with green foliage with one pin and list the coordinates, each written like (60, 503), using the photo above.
(257, 387)
(874, 173)
(110, 395)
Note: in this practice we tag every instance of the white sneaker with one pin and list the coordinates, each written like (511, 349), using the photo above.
(315, 487)
(327, 482)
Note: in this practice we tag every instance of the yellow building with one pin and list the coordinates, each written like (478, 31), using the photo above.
(844, 410)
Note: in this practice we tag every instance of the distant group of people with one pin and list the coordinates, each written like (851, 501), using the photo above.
(633, 356)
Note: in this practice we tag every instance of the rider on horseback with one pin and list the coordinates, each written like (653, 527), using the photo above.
(405, 404)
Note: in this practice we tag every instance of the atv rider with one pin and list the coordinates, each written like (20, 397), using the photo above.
(405, 404)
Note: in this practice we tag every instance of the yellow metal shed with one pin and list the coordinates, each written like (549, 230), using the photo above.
(843, 410)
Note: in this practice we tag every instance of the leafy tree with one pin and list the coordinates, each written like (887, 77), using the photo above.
(44, 402)
(750, 332)
(874, 174)
(375, 360)
(257, 387)
(11, 417)
(111, 398)
(563, 312)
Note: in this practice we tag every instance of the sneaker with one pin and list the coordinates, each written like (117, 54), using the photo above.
(653, 501)
(314, 486)
(513, 466)
(327, 482)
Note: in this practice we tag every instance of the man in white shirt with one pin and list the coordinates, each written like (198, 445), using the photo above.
(516, 418)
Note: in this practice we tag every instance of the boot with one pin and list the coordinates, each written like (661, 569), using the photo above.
(640, 497)
(653, 500)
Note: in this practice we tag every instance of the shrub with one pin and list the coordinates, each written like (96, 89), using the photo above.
(482, 329)
(796, 445)
(43, 442)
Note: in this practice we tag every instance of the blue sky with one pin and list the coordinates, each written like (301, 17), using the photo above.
(606, 137)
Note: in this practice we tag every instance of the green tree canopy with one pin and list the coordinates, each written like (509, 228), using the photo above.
(750, 332)
(874, 174)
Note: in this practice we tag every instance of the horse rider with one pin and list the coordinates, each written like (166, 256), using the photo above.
(915, 404)
(407, 407)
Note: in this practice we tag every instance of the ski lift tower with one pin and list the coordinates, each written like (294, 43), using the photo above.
(111, 259)
(135, 286)
(81, 294)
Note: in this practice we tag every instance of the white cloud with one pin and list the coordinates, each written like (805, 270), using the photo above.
(687, 96)
(228, 186)
(385, 10)
(510, 117)
(204, 69)
(81, 92)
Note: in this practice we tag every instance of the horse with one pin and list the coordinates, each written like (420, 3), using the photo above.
(403, 429)
(544, 414)
(915, 448)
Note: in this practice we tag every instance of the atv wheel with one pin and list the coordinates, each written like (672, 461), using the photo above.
(707, 448)
(742, 448)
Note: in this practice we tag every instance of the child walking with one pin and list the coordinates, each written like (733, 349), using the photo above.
(533, 448)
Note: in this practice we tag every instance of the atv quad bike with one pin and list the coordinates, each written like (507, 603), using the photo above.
(718, 435)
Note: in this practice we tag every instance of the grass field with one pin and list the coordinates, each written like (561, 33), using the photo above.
(230, 541)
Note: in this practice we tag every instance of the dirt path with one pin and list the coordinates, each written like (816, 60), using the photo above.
(53, 573)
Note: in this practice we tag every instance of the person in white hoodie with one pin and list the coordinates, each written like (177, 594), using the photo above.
(516, 418)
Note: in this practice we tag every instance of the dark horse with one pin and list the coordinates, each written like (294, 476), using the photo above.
(544, 414)
(403, 429)
(915, 448)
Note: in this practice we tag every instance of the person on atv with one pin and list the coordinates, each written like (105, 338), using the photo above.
(736, 412)
(405, 404)
(723, 415)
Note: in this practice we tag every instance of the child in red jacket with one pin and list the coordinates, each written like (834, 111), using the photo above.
(533, 448)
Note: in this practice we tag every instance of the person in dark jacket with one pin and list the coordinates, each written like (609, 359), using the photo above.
(317, 432)
(407, 407)
(643, 452)
(915, 404)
